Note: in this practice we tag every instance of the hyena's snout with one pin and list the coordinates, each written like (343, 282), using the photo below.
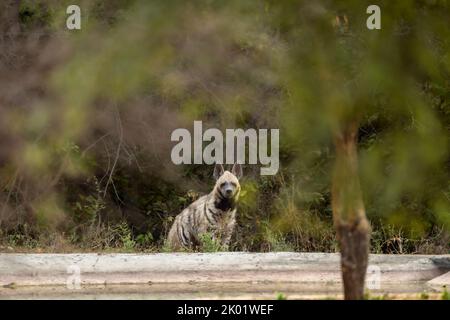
(229, 189)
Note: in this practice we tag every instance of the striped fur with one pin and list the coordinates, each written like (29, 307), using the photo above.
(214, 213)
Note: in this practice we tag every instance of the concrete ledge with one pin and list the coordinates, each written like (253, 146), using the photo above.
(439, 282)
(55, 269)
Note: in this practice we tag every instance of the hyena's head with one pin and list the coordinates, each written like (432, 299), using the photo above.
(227, 183)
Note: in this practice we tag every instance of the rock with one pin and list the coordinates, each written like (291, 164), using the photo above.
(439, 282)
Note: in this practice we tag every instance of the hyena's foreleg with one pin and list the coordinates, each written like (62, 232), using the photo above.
(227, 234)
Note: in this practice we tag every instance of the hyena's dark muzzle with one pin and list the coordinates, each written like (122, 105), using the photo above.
(228, 189)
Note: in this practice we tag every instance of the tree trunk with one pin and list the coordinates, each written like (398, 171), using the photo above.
(349, 216)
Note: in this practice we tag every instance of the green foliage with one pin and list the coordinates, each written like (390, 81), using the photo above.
(33, 14)
(276, 241)
(88, 207)
(144, 240)
(281, 296)
(369, 296)
(445, 295)
(166, 247)
(209, 243)
(21, 240)
(123, 233)
(424, 296)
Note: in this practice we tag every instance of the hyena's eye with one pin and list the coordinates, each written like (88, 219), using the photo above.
(222, 184)
(233, 184)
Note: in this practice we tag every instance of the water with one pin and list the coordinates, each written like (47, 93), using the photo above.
(181, 291)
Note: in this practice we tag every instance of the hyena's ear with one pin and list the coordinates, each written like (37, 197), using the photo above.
(237, 170)
(218, 171)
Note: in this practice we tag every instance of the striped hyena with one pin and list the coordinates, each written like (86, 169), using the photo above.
(214, 213)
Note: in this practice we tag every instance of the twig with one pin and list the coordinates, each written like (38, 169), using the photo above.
(117, 152)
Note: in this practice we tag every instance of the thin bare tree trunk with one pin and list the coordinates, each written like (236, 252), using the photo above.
(352, 227)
